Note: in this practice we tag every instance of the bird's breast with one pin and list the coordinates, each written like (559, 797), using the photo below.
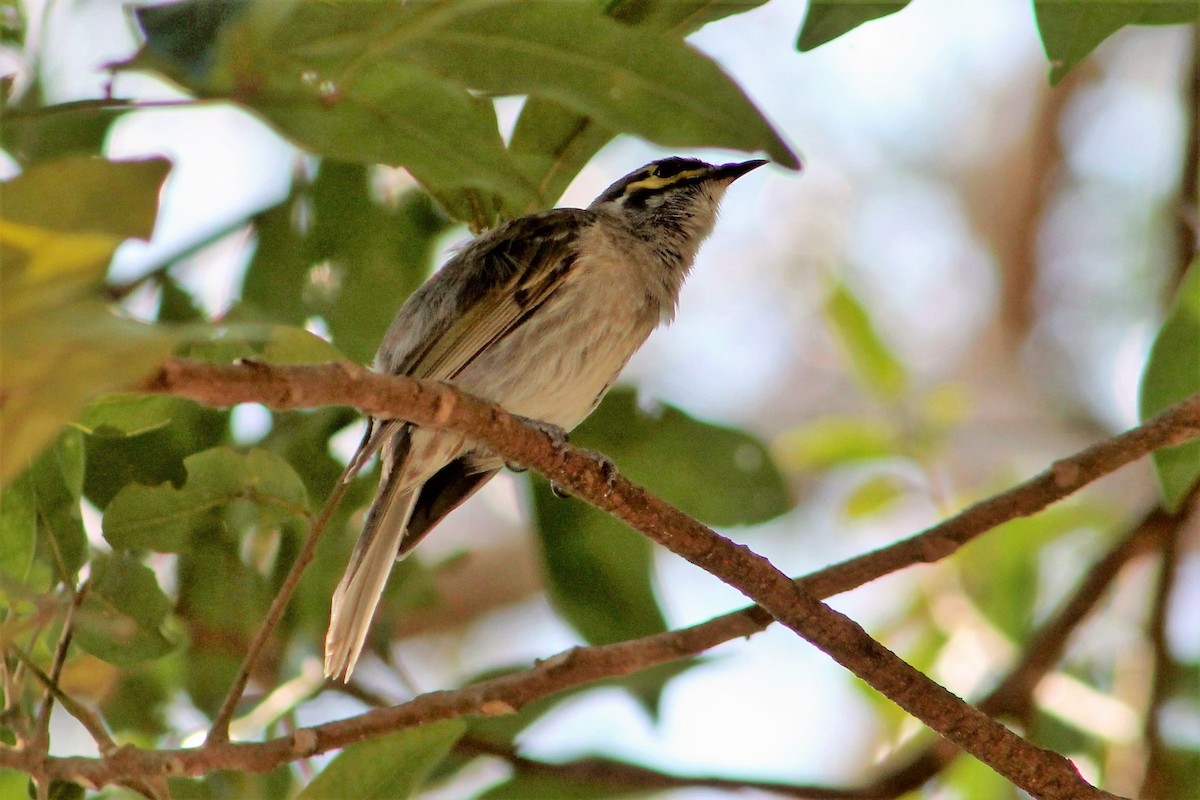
(555, 365)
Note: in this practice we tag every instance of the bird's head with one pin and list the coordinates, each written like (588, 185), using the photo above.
(677, 196)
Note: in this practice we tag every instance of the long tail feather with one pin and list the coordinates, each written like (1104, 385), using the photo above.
(358, 594)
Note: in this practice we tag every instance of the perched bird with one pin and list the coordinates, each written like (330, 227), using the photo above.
(539, 315)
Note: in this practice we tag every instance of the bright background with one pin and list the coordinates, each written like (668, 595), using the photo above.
(1013, 246)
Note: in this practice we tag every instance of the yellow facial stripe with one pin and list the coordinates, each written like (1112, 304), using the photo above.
(650, 182)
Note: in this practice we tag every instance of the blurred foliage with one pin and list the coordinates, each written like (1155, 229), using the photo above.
(828, 19)
(1173, 374)
(392, 104)
(390, 766)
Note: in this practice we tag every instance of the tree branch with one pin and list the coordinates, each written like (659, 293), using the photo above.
(1037, 771)
(1041, 773)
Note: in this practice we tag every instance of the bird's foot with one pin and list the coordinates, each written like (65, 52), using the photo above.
(555, 433)
(607, 468)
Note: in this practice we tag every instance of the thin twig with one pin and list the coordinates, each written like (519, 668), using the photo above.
(219, 732)
(42, 726)
(1164, 670)
(621, 776)
(90, 721)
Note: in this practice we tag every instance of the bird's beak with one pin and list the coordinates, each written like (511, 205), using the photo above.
(731, 172)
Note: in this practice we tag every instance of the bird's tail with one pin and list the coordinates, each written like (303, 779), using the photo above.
(366, 575)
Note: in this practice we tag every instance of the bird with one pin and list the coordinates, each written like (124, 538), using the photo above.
(539, 315)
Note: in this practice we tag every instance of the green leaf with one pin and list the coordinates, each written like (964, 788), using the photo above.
(834, 441)
(122, 616)
(232, 340)
(599, 573)
(57, 476)
(1001, 575)
(873, 496)
(1172, 374)
(278, 784)
(320, 75)
(88, 195)
(680, 17)
(720, 475)
(152, 457)
(33, 132)
(336, 251)
(128, 414)
(137, 703)
(525, 785)
(552, 142)
(18, 531)
(1071, 29)
(185, 34)
(629, 78)
(161, 517)
(876, 367)
(388, 768)
(826, 20)
(59, 343)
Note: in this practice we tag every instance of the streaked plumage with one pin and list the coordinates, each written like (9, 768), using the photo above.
(539, 315)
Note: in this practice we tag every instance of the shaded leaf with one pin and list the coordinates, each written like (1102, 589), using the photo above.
(128, 414)
(336, 251)
(59, 343)
(32, 132)
(873, 362)
(232, 785)
(57, 478)
(683, 459)
(599, 573)
(1071, 29)
(185, 34)
(1172, 374)
(552, 142)
(826, 20)
(388, 768)
(18, 531)
(227, 342)
(629, 78)
(302, 68)
(137, 703)
(680, 17)
(152, 457)
(121, 618)
(1000, 572)
(526, 785)
(161, 517)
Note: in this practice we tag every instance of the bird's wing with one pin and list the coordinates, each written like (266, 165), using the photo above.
(517, 268)
(478, 297)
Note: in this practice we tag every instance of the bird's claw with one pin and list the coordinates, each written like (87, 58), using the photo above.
(607, 467)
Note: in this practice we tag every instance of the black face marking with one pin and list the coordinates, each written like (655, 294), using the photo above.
(669, 167)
